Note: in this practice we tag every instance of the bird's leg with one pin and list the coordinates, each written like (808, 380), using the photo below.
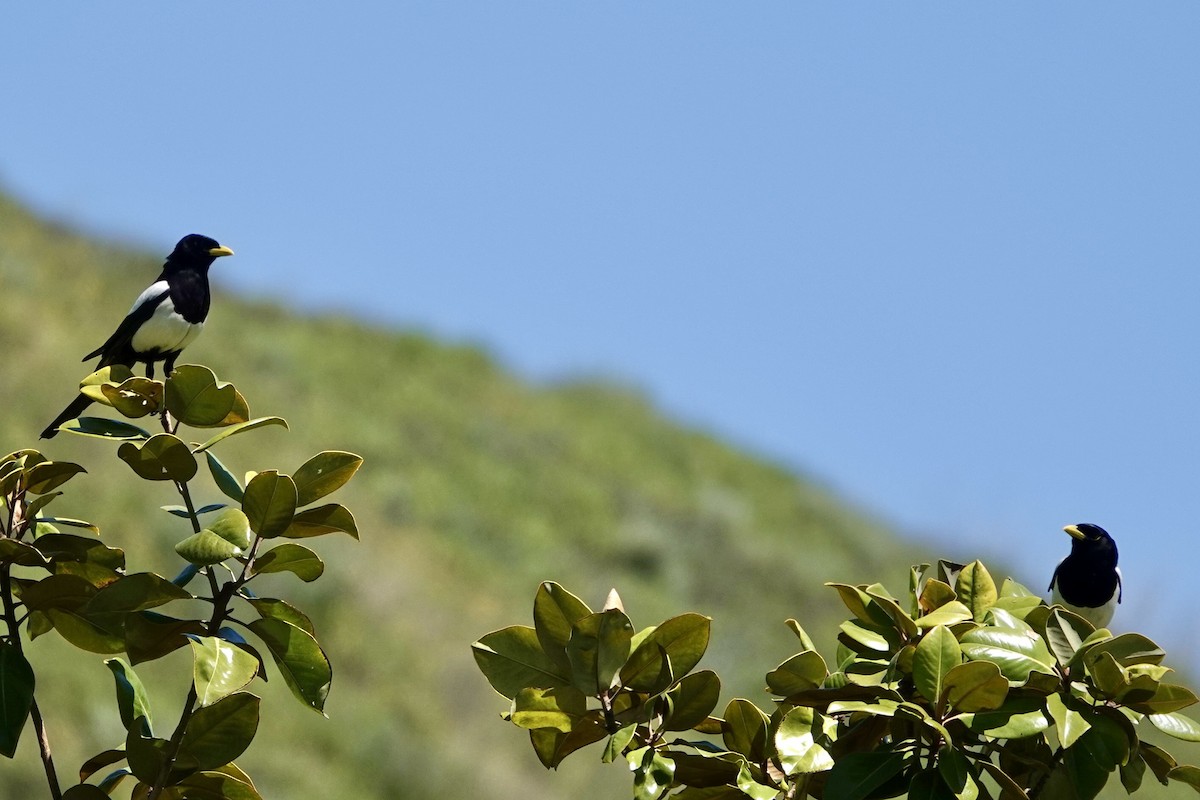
(150, 370)
(169, 364)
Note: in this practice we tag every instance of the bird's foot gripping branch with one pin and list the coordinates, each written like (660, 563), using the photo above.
(56, 576)
(957, 689)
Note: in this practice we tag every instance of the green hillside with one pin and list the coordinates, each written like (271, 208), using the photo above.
(477, 485)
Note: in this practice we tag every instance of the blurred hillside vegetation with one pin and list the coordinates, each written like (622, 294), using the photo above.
(476, 486)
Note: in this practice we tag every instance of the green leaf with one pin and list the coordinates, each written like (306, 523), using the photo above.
(975, 686)
(279, 609)
(289, 557)
(212, 785)
(301, 661)
(800, 743)
(269, 503)
(135, 397)
(684, 638)
(85, 791)
(598, 648)
(195, 397)
(1176, 725)
(745, 729)
(219, 733)
(104, 428)
(149, 635)
(224, 479)
(49, 475)
(976, 589)
(1128, 649)
(617, 743)
(1017, 651)
(1065, 633)
(206, 548)
(330, 518)
(1167, 697)
(113, 375)
(136, 592)
(1016, 719)
(856, 776)
(512, 659)
(1186, 774)
(241, 427)
(799, 673)
(693, 698)
(1070, 723)
(233, 526)
(145, 754)
(652, 773)
(162, 457)
(132, 700)
(949, 613)
(219, 669)
(937, 653)
(956, 773)
(16, 697)
(324, 473)
(558, 707)
(555, 611)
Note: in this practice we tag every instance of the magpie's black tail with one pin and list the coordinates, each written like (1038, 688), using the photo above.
(70, 412)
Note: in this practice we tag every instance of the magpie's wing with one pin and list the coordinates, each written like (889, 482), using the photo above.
(1120, 586)
(118, 348)
(1054, 577)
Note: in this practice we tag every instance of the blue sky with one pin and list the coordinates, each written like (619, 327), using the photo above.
(940, 256)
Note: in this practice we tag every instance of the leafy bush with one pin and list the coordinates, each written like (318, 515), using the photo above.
(76, 586)
(961, 689)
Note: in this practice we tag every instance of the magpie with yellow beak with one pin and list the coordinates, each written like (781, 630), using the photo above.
(164, 319)
(1088, 581)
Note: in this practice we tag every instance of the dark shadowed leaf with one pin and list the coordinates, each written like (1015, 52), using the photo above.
(224, 479)
(269, 503)
(330, 518)
(555, 611)
(745, 729)
(512, 659)
(598, 648)
(219, 733)
(162, 457)
(289, 557)
(16, 697)
(132, 700)
(102, 428)
(692, 700)
(49, 475)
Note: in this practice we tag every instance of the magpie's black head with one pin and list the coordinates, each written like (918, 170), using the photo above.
(196, 252)
(1092, 540)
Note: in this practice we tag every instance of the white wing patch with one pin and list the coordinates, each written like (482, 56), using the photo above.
(166, 331)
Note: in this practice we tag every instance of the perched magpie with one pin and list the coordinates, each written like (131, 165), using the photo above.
(1088, 581)
(164, 319)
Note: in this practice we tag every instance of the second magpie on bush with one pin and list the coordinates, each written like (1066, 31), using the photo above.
(1088, 581)
(164, 319)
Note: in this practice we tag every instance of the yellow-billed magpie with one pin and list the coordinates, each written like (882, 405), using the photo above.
(1088, 581)
(164, 319)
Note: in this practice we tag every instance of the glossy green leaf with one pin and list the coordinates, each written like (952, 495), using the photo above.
(269, 503)
(324, 473)
(224, 479)
(205, 548)
(956, 773)
(1176, 725)
(800, 743)
(132, 701)
(195, 397)
(16, 697)
(219, 733)
(799, 673)
(14, 552)
(552, 746)
(975, 686)
(1128, 649)
(330, 518)
(219, 669)
(1018, 651)
(693, 699)
(616, 744)
(652, 773)
(49, 475)
(555, 610)
(1167, 697)
(300, 660)
(1069, 722)
(745, 729)
(598, 648)
(290, 557)
(85, 633)
(937, 653)
(162, 457)
(103, 428)
(113, 375)
(684, 639)
(1015, 720)
(1065, 634)
(241, 426)
(512, 659)
(60, 547)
